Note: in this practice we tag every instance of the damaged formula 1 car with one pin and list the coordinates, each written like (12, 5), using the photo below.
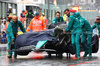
(52, 41)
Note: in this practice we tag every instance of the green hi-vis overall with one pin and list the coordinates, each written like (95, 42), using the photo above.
(75, 29)
(97, 25)
(86, 34)
(12, 30)
(55, 20)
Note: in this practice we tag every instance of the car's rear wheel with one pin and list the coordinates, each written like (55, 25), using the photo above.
(95, 42)
(95, 48)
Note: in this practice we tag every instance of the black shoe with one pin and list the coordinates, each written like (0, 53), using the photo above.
(85, 55)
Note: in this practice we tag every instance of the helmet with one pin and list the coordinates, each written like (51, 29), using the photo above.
(10, 7)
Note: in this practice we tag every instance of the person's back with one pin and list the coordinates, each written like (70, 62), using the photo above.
(84, 24)
(87, 26)
(74, 24)
(86, 34)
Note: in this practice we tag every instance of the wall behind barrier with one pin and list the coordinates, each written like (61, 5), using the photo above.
(90, 15)
(4, 6)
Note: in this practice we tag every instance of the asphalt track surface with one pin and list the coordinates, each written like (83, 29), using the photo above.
(41, 59)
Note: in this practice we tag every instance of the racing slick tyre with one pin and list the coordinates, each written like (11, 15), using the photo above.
(95, 44)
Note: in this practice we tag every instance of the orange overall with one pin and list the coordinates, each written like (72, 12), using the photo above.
(22, 18)
(36, 25)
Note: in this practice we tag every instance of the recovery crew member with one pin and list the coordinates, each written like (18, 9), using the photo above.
(3, 33)
(75, 29)
(12, 30)
(86, 34)
(97, 25)
(58, 18)
(9, 11)
(9, 19)
(23, 17)
(37, 24)
(65, 17)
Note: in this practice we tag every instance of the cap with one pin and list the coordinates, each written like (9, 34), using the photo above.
(37, 13)
(23, 11)
(73, 11)
(98, 18)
